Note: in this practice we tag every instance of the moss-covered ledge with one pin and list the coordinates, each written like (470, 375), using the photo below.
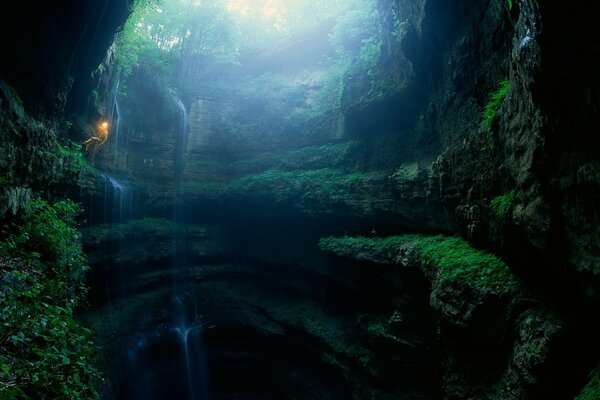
(483, 309)
(444, 259)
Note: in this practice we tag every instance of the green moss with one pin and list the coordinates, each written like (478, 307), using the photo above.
(451, 259)
(44, 352)
(311, 157)
(406, 172)
(501, 205)
(592, 389)
(378, 328)
(534, 351)
(326, 183)
(378, 250)
(5, 182)
(109, 232)
(491, 108)
(510, 5)
(304, 158)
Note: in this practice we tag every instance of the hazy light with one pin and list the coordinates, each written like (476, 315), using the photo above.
(272, 9)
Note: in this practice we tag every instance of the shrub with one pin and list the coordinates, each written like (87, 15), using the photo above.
(44, 352)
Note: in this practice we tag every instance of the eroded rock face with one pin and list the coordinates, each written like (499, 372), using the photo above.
(58, 46)
(493, 343)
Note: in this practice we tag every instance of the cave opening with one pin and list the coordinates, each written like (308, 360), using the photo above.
(299, 199)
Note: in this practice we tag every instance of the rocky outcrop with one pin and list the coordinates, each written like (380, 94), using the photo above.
(55, 50)
(495, 340)
(30, 159)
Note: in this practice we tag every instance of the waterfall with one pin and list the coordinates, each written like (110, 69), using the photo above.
(122, 199)
(115, 117)
(181, 142)
(179, 234)
(187, 322)
(188, 325)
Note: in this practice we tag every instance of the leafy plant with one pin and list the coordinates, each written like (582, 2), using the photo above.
(491, 108)
(510, 5)
(501, 205)
(73, 159)
(45, 353)
(378, 328)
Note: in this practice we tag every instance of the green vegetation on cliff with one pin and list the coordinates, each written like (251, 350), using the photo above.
(592, 389)
(44, 352)
(501, 205)
(446, 259)
(491, 108)
(72, 158)
(326, 184)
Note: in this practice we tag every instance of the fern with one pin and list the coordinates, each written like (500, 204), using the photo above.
(491, 108)
(501, 205)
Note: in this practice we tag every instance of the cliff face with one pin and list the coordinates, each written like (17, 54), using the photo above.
(58, 48)
(47, 65)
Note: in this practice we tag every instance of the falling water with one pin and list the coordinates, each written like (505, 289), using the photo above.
(116, 117)
(181, 143)
(122, 198)
(179, 234)
(187, 322)
(189, 326)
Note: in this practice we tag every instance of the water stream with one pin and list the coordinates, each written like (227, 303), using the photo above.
(116, 117)
(187, 321)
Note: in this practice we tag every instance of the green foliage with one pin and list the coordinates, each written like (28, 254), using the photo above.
(5, 182)
(378, 328)
(400, 27)
(356, 38)
(325, 184)
(73, 159)
(491, 108)
(358, 26)
(44, 352)
(460, 262)
(329, 96)
(109, 232)
(510, 4)
(534, 352)
(167, 37)
(501, 205)
(376, 250)
(305, 158)
(592, 389)
(452, 259)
